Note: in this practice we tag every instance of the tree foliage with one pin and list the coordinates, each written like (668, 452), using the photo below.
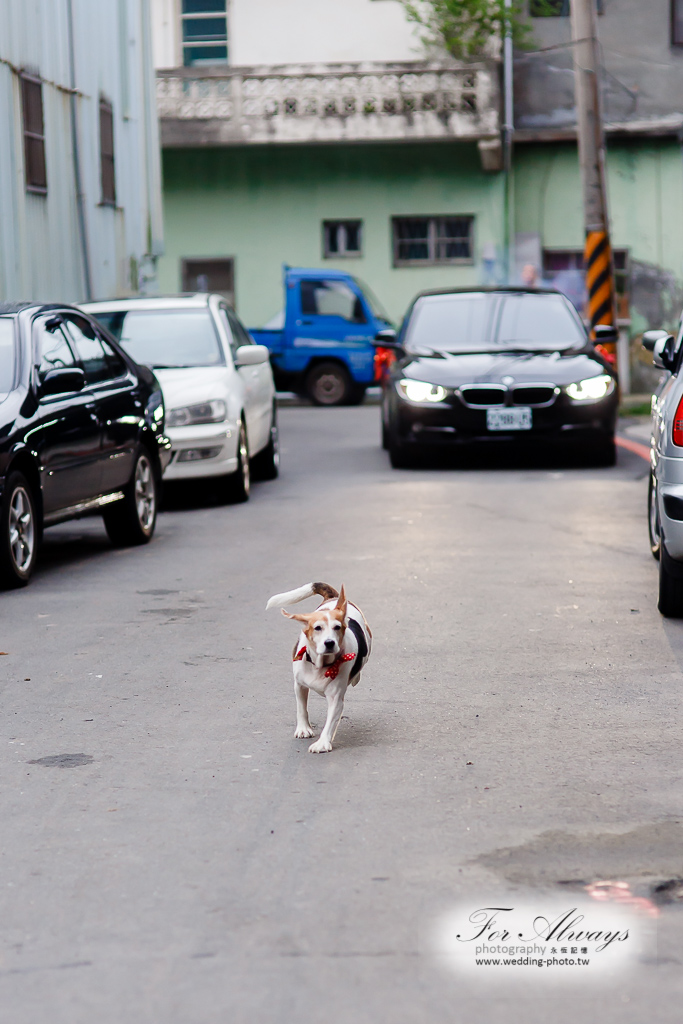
(466, 27)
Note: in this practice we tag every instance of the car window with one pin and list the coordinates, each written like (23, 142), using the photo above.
(117, 364)
(238, 332)
(166, 338)
(90, 350)
(6, 354)
(54, 351)
(331, 298)
(232, 340)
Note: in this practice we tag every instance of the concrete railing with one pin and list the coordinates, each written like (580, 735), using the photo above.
(320, 103)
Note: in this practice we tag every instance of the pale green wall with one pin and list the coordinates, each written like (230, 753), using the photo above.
(645, 187)
(265, 207)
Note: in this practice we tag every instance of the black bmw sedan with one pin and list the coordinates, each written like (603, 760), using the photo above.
(510, 364)
(81, 432)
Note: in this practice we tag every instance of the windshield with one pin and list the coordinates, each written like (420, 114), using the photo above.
(373, 302)
(166, 338)
(487, 322)
(6, 354)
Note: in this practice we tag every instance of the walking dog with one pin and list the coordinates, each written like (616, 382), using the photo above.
(332, 649)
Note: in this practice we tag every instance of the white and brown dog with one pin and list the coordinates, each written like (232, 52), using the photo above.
(332, 649)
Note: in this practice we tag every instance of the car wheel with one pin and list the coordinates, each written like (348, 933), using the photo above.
(653, 518)
(329, 384)
(266, 465)
(132, 520)
(238, 484)
(20, 532)
(400, 455)
(670, 601)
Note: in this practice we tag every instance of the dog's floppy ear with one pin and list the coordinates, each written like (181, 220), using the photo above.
(341, 602)
(299, 618)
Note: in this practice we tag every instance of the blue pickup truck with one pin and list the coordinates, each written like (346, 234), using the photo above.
(321, 345)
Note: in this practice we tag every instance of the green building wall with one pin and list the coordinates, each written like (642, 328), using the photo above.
(265, 206)
(645, 194)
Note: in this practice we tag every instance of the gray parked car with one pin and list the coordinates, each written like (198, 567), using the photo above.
(665, 497)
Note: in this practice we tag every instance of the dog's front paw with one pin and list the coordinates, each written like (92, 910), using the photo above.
(321, 747)
(303, 732)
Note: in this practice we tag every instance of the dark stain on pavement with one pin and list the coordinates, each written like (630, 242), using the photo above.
(158, 593)
(63, 760)
(554, 857)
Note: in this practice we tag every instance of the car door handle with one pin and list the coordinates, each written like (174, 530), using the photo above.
(300, 323)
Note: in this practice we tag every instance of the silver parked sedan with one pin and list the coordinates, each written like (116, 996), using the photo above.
(665, 497)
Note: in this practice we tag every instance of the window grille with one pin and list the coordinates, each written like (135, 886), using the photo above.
(341, 238)
(424, 240)
(35, 170)
(210, 275)
(107, 175)
(204, 25)
(564, 270)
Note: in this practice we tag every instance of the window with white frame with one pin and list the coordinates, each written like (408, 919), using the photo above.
(424, 240)
(204, 25)
(342, 238)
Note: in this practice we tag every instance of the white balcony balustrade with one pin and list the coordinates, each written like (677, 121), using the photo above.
(331, 103)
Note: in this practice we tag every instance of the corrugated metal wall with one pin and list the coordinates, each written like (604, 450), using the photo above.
(41, 247)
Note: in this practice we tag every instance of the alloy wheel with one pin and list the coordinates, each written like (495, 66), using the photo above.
(244, 459)
(22, 529)
(145, 493)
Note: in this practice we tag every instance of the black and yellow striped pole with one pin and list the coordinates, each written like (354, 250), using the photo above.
(599, 278)
(591, 142)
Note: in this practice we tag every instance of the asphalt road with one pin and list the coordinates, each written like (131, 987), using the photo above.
(516, 735)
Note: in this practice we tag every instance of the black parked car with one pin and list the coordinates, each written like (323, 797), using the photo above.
(81, 431)
(504, 364)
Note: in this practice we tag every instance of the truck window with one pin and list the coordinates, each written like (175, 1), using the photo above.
(331, 298)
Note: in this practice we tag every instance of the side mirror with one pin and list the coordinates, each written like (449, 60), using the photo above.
(604, 334)
(386, 338)
(62, 380)
(251, 355)
(663, 353)
(650, 339)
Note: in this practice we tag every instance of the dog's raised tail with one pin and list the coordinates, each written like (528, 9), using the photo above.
(324, 590)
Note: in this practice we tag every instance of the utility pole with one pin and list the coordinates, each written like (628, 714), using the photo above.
(508, 128)
(591, 140)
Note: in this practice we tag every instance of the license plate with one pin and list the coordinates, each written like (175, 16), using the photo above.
(508, 419)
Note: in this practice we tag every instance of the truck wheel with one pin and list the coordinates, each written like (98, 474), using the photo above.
(132, 520)
(329, 384)
(20, 532)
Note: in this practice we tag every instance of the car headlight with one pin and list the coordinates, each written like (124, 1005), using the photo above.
(592, 389)
(204, 412)
(421, 391)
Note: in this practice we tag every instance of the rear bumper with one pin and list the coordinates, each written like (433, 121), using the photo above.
(669, 474)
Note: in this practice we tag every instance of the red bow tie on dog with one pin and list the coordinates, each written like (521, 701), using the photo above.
(333, 671)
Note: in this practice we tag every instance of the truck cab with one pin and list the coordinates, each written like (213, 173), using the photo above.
(322, 344)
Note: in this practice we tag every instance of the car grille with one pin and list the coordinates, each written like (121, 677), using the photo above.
(537, 394)
(483, 397)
